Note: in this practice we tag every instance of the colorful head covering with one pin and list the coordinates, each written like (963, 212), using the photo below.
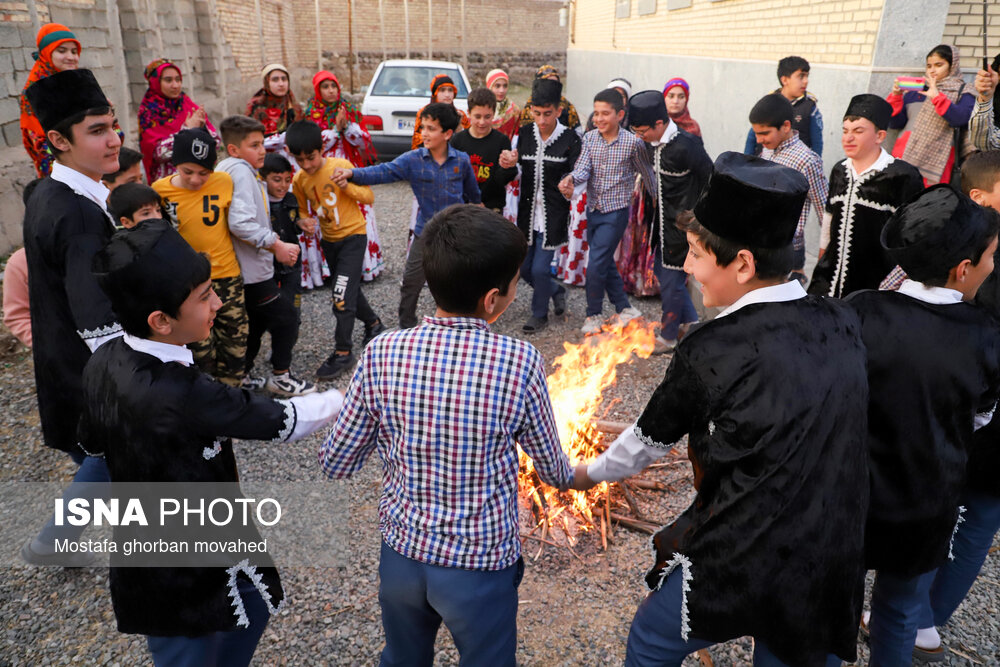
(623, 84)
(49, 37)
(567, 116)
(441, 81)
(507, 114)
(546, 71)
(161, 117)
(683, 119)
(325, 115)
(276, 113)
(493, 75)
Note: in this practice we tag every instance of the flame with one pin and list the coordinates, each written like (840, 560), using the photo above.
(576, 389)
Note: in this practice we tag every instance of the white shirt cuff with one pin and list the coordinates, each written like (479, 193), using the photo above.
(314, 411)
(626, 456)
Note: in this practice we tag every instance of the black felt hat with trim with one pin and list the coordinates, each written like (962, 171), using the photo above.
(752, 201)
(65, 94)
(546, 92)
(646, 107)
(872, 107)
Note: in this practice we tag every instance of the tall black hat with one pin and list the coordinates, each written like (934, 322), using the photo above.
(752, 201)
(646, 107)
(545, 92)
(63, 95)
(872, 107)
(935, 231)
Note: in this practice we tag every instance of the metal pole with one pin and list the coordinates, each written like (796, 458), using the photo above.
(430, 29)
(260, 32)
(986, 46)
(406, 24)
(381, 25)
(350, 39)
(319, 43)
(33, 11)
(465, 50)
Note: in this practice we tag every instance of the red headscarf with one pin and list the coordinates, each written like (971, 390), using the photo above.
(683, 119)
(323, 114)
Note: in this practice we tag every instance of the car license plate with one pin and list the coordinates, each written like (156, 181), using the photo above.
(405, 124)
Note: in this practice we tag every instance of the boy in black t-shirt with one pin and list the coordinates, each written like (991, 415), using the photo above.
(483, 145)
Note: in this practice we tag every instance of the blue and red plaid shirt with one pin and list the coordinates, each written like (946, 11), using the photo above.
(445, 404)
(792, 152)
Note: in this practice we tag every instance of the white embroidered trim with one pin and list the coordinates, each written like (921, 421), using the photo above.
(983, 418)
(257, 579)
(711, 428)
(646, 440)
(290, 419)
(106, 330)
(951, 543)
(539, 157)
(213, 451)
(96, 456)
(686, 576)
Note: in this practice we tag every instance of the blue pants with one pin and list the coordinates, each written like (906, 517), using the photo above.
(970, 547)
(91, 479)
(604, 233)
(677, 306)
(218, 649)
(897, 605)
(655, 636)
(479, 607)
(537, 272)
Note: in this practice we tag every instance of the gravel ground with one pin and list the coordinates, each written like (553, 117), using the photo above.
(575, 609)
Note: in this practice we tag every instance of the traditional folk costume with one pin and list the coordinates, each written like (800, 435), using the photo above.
(934, 374)
(768, 394)
(353, 143)
(507, 115)
(652, 252)
(857, 208)
(437, 83)
(567, 112)
(189, 442)
(275, 112)
(683, 119)
(160, 118)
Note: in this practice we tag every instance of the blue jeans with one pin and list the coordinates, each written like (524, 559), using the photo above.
(677, 306)
(537, 272)
(93, 470)
(217, 649)
(655, 635)
(604, 233)
(479, 607)
(969, 547)
(897, 604)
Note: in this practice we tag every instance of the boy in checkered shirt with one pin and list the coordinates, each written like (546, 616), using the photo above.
(445, 405)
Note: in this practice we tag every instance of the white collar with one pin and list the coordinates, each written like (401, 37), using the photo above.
(789, 291)
(928, 294)
(883, 161)
(668, 134)
(556, 131)
(165, 352)
(82, 185)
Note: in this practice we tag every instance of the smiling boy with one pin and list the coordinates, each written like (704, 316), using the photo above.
(484, 145)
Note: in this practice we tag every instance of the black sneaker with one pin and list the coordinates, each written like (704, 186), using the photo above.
(372, 331)
(559, 302)
(335, 365)
(535, 324)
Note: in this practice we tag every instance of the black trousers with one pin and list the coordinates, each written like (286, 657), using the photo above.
(269, 309)
(346, 260)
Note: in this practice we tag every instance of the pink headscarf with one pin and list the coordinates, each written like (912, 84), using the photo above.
(683, 119)
(161, 117)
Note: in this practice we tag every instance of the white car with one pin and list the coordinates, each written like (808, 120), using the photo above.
(399, 88)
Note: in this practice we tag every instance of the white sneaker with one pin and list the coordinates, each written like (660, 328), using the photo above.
(592, 324)
(253, 382)
(662, 345)
(288, 385)
(628, 315)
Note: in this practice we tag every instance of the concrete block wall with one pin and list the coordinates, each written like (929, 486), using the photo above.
(964, 29)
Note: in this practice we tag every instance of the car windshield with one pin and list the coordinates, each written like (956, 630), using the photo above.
(414, 81)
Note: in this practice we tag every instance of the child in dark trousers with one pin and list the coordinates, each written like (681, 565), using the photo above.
(934, 374)
(484, 145)
(445, 405)
(285, 219)
(213, 612)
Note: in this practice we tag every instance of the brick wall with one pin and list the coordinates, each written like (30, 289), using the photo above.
(827, 31)
(964, 29)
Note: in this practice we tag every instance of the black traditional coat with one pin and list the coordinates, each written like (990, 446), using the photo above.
(932, 368)
(984, 457)
(773, 399)
(62, 233)
(860, 206)
(682, 167)
(542, 167)
(159, 422)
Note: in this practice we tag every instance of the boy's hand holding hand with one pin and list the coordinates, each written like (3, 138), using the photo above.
(508, 159)
(582, 481)
(308, 225)
(566, 186)
(286, 253)
(341, 176)
(986, 84)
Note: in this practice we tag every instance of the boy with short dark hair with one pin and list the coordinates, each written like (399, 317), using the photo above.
(445, 405)
(793, 75)
(161, 289)
(546, 151)
(934, 373)
(439, 176)
(277, 173)
(344, 239)
(132, 203)
(129, 169)
(768, 393)
(257, 246)
(610, 159)
(484, 146)
(771, 121)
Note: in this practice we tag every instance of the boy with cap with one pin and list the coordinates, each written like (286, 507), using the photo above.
(865, 189)
(682, 167)
(66, 222)
(768, 394)
(546, 150)
(934, 374)
(206, 614)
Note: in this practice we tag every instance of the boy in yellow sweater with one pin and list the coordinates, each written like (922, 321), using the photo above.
(344, 241)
